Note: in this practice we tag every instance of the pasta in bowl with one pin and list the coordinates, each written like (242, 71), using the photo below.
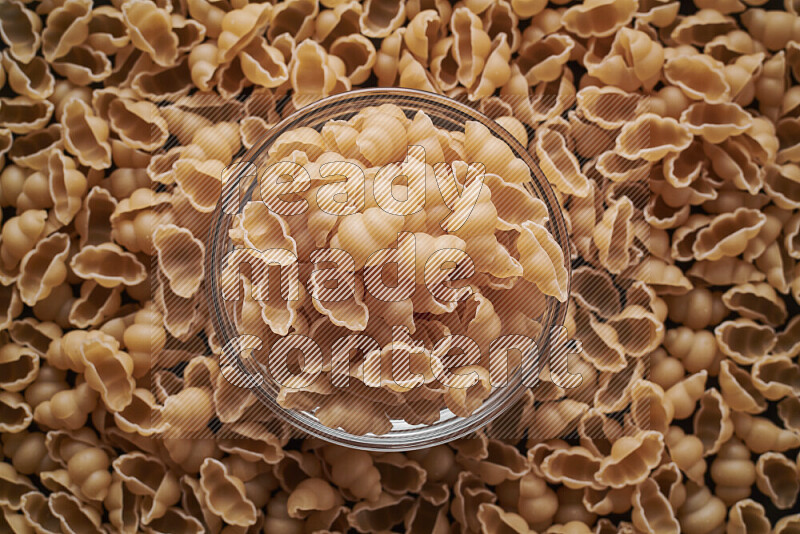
(387, 267)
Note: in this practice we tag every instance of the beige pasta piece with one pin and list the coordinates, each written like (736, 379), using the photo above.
(787, 343)
(543, 60)
(686, 451)
(19, 366)
(716, 122)
(700, 77)
(86, 135)
(381, 514)
(33, 79)
(631, 459)
(774, 29)
(312, 494)
(777, 477)
(542, 260)
(757, 301)
(224, 494)
(782, 184)
(180, 258)
(83, 65)
(422, 34)
(712, 423)
(10, 305)
(684, 394)
(728, 234)
(262, 64)
(748, 516)
(95, 304)
(358, 54)
(66, 27)
(471, 45)
(632, 60)
(23, 115)
(652, 511)
(559, 165)
(67, 409)
(109, 265)
(760, 435)
(598, 18)
(776, 377)
(725, 271)
(149, 478)
(93, 219)
(17, 415)
(380, 18)
(43, 268)
(493, 518)
(312, 74)
(354, 471)
(613, 236)
(702, 512)
(107, 30)
(150, 30)
(733, 472)
(732, 162)
(20, 28)
(575, 467)
(744, 340)
(138, 124)
(738, 389)
(651, 137)
(609, 107)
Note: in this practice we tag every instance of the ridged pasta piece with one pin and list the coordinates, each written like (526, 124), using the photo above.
(774, 29)
(256, 442)
(67, 409)
(712, 423)
(697, 309)
(263, 64)
(108, 264)
(33, 79)
(537, 247)
(761, 435)
(609, 107)
(702, 512)
(684, 394)
(17, 415)
(43, 268)
(748, 516)
(787, 343)
(631, 459)
(138, 123)
(559, 165)
(107, 31)
(744, 340)
(725, 271)
(358, 54)
(493, 518)
(471, 45)
(382, 514)
(312, 494)
(86, 135)
(613, 236)
(312, 74)
(777, 478)
(787, 524)
(83, 65)
(631, 60)
(20, 28)
(738, 389)
(379, 18)
(776, 377)
(575, 467)
(94, 305)
(728, 234)
(225, 494)
(23, 115)
(769, 233)
(732, 162)
(92, 221)
(598, 18)
(757, 301)
(651, 137)
(699, 76)
(652, 511)
(67, 26)
(66, 186)
(180, 258)
(150, 30)
(543, 60)
(782, 184)
(149, 478)
(716, 122)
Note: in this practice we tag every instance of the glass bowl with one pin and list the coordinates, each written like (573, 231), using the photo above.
(445, 113)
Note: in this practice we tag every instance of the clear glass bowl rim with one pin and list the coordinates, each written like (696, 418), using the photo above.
(418, 437)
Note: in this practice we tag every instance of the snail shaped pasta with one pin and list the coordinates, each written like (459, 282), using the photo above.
(542, 260)
(493, 518)
(697, 350)
(312, 494)
(700, 77)
(609, 107)
(354, 471)
(33, 79)
(631, 459)
(716, 122)
(702, 511)
(19, 366)
(732, 162)
(748, 516)
(86, 135)
(686, 451)
(381, 514)
(150, 30)
(23, 115)
(733, 472)
(94, 305)
(135, 216)
(147, 477)
(314, 75)
(613, 236)
(775, 377)
(738, 389)
(652, 511)
(781, 184)
(598, 18)
(728, 234)
(107, 30)
(559, 165)
(744, 340)
(85, 460)
(697, 309)
(380, 18)
(725, 271)
(575, 467)
(760, 435)
(712, 423)
(703, 26)
(138, 123)
(43, 268)
(17, 414)
(651, 137)
(777, 477)
(757, 301)
(109, 265)
(92, 221)
(20, 28)
(179, 257)
(225, 494)
(774, 29)
(632, 60)
(543, 60)
(471, 45)
(261, 63)
(67, 409)
(67, 26)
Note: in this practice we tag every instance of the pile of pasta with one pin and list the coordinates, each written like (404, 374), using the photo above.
(669, 134)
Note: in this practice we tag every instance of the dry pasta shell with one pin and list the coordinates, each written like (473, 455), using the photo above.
(632, 60)
(598, 18)
(168, 83)
(744, 340)
(712, 423)
(788, 344)
(148, 477)
(43, 268)
(17, 415)
(543, 60)
(150, 30)
(107, 30)
(757, 301)
(382, 514)
(23, 115)
(728, 234)
(738, 389)
(67, 26)
(575, 467)
(748, 516)
(651, 137)
(379, 20)
(631, 459)
(93, 219)
(652, 511)
(782, 185)
(138, 124)
(776, 377)
(32, 79)
(311, 74)
(471, 45)
(613, 236)
(263, 64)
(493, 518)
(542, 260)
(761, 435)
(20, 28)
(179, 256)
(358, 54)
(777, 477)
(83, 65)
(700, 77)
(109, 265)
(10, 305)
(559, 165)
(609, 107)
(731, 162)
(86, 135)
(95, 304)
(716, 122)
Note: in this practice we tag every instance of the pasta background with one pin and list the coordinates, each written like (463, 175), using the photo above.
(669, 132)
